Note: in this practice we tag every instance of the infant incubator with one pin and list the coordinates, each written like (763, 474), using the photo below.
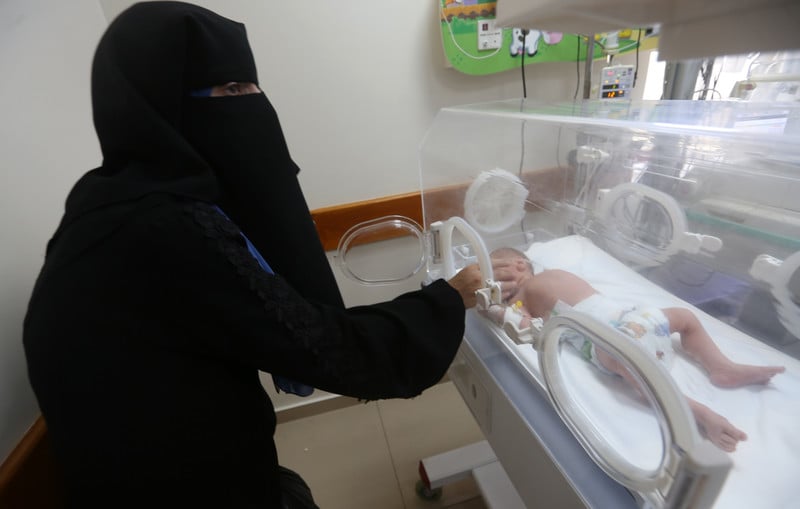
(674, 204)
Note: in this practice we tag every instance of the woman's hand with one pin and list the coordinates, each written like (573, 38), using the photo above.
(511, 274)
(467, 282)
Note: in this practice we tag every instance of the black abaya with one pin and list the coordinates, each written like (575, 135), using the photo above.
(150, 319)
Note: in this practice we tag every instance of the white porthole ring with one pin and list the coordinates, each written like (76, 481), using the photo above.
(495, 201)
(445, 232)
(778, 274)
(788, 308)
(668, 204)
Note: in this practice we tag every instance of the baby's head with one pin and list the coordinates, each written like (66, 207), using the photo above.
(508, 255)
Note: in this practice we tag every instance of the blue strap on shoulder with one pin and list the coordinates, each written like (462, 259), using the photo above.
(281, 383)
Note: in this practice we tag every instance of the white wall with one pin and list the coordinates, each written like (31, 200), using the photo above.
(46, 142)
(356, 85)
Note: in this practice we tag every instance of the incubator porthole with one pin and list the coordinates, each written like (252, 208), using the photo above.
(642, 225)
(495, 201)
(381, 251)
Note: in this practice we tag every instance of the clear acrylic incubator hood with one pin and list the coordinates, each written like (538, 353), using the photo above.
(688, 204)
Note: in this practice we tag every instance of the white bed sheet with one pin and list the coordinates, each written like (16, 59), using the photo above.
(766, 467)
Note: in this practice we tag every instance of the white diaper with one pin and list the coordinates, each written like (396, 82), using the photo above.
(647, 325)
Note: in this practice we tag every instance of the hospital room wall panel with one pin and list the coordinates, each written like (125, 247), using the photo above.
(47, 142)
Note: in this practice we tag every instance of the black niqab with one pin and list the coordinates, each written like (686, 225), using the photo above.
(155, 138)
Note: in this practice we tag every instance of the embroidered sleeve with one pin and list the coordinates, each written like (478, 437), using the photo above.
(225, 306)
(301, 320)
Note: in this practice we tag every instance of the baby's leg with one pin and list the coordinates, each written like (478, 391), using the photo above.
(612, 364)
(722, 371)
(716, 428)
(712, 426)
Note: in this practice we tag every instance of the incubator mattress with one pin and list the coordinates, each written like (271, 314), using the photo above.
(766, 467)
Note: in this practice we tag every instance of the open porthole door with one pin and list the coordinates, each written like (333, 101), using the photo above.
(382, 251)
(637, 427)
(393, 249)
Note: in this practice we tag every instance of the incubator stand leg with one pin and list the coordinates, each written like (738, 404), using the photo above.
(476, 460)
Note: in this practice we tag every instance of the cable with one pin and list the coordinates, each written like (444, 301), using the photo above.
(712, 90)
(577, 66)
(455, 43)
(619, 49)
(522, 64)
(627, 46)
(522, 152)
(638, 45)
(716, 79)
(522, 144)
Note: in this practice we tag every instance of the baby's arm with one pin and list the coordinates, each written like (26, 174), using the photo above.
(495, 312)
(515, 314)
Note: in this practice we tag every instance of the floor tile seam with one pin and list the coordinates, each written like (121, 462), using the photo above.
(391, 455)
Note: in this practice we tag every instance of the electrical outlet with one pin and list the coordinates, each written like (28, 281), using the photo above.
(652, 31)
(489, 37)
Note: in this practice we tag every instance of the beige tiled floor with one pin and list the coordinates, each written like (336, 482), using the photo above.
(366, 456)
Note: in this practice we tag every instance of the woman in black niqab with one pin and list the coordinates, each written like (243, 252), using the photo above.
(153, 313)
(156, 137)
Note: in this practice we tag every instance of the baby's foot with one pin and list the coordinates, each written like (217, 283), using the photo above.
(737, 375)
(719, 430)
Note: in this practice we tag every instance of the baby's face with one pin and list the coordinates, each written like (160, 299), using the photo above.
(512, 266)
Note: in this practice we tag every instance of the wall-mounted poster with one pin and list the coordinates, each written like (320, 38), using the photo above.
(474, 46)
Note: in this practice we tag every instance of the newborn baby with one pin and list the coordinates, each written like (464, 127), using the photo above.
(535, 296)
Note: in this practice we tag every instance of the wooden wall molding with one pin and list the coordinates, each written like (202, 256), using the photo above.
(441, 203)
(29, 477)
(333, 222)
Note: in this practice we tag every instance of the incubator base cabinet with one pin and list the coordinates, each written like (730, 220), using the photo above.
(605, 400)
